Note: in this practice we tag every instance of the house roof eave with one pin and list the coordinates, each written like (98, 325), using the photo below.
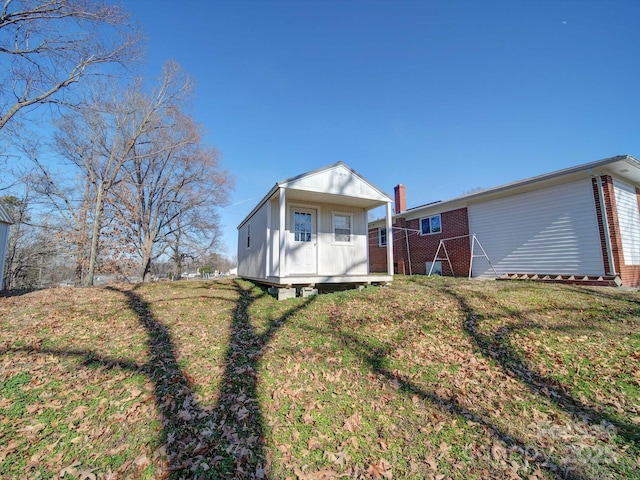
(597, 167)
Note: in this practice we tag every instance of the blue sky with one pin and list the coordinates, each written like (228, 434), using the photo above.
(442, 96)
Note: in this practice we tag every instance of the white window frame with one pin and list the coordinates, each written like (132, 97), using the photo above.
(380, 230)
(342, 242)
(422, 234)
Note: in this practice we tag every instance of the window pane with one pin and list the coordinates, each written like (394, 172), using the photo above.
(424, 226)
(435, 224)
(383, 237)
(342, 221)
(342, 228)
(302, 227)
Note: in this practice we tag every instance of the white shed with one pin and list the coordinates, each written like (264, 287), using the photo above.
(5, 222)
(311, 229)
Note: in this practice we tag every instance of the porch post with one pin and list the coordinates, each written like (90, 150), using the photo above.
(389, 241)
(269, 247)
(282, 266)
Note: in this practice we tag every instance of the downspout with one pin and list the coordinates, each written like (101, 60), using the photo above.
(605, 223)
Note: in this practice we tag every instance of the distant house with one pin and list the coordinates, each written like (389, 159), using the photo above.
(311, 229)
(5, 222)
(580, 224)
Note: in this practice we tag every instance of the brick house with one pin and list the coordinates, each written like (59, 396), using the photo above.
(580, 224)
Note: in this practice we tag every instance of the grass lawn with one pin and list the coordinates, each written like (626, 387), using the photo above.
(429, 378)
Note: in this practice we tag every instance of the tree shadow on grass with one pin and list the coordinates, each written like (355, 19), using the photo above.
(208, 442)
(16, 292)
(226, 440)
(498, 347)
(376, 358)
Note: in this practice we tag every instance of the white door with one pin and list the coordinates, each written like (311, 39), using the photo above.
(302, 248)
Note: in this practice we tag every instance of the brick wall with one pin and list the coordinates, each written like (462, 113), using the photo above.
(422, 248)
(377, 255)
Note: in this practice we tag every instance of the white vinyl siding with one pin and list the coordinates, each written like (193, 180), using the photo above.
(343, 258)
(348, 258)
(548, 231)
(629, 221)
(4, 236)
(253, 238)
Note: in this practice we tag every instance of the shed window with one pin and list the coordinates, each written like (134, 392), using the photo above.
(430, 225)
(342, 227)
(302, 226)
(382, 237)
(249, 235)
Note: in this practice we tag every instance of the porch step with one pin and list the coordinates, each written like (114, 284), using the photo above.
(593, 280)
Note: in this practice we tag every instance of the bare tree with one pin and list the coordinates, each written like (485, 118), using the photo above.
(48, 45)
(217, 262)
(17, 209)
(105, 134)
(64, 199)
(172, 180)
(30, 249)
(193, 236)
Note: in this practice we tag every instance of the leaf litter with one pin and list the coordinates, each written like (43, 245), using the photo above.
(429, 378)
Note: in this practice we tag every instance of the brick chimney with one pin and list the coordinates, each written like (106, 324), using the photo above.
(400, 198)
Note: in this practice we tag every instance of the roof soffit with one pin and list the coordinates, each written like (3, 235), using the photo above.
(624, 167)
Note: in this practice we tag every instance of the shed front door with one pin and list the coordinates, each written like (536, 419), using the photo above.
(303, 242)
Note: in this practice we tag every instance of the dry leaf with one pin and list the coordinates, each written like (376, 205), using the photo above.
(381, 468)
(142, 461)
(314, 444)
(184, 415)
(352, 423)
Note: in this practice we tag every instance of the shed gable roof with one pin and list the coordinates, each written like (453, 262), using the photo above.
(333, 180)
(336, 179)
